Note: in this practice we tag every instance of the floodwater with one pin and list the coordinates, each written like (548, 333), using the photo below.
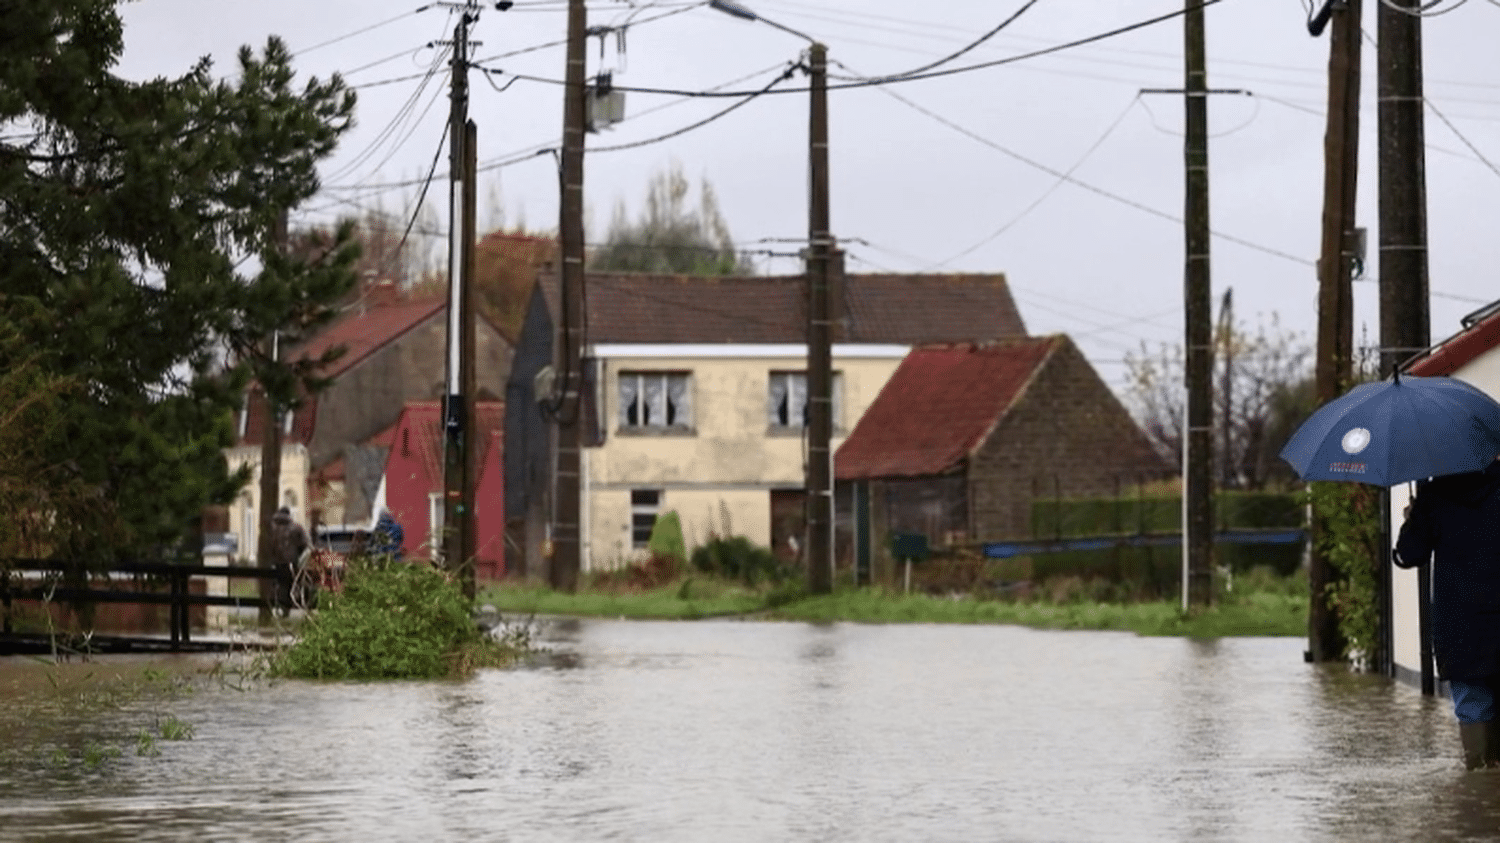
(747, 731)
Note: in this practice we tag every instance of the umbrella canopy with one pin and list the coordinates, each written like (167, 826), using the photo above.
(1394, 431)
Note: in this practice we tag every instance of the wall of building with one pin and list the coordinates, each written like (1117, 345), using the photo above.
(729, 454)
(1067, 435)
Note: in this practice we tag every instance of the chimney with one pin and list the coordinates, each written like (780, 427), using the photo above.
(382, 293)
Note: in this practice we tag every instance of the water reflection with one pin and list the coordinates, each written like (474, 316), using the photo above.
(750, 731)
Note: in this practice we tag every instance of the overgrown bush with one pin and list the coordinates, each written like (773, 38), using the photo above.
(666, 539)
(392, 620)
(738, 558)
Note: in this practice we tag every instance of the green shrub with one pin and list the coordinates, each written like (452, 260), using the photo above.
(738, 558)
(390, 621)
(666, 539)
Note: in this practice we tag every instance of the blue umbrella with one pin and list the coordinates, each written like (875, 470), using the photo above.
(1394, 431)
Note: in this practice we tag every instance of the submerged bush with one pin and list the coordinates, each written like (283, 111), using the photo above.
(392, 620)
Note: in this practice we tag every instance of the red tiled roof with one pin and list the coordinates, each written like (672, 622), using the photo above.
(1451, 355)
(899, 309)
(938, 407)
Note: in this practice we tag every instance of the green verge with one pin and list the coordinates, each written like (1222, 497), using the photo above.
(1258, 606)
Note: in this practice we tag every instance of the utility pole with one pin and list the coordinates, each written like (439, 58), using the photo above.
(1404, 313)
(458, 404)
(567, 506)
(1197, 488)
(1336, 262)
(819, 337)
(270, 460)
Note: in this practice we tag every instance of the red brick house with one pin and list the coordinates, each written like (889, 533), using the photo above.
(413, 482)
(964, 437)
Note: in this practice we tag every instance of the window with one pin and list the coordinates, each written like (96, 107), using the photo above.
(656, 401)
(645, 505)
(786, 399)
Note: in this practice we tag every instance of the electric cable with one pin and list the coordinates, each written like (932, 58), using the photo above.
(962, 50)
(1460, 135)
(1140, 206)
(347, 36)
(934, 74)
(1061, 179)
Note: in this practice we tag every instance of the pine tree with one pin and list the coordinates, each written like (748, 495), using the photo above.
(127, 210)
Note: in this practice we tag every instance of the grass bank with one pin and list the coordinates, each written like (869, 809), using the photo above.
(1258, 604)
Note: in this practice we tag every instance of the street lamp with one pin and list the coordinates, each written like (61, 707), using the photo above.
(819, 329)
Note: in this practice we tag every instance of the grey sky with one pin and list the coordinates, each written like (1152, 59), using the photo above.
(911, 193)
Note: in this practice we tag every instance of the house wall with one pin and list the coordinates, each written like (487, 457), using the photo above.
(368, 397)
(244, 510)
(1066, 435)
(731, 454)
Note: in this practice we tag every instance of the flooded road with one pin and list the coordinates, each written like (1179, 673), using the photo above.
(744, 731)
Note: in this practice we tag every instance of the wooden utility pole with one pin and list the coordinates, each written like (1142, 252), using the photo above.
(1336, 264)
(458, 403)
(1404, 313)
(567, 504)
(1198, 437)
(819, 338)
(270, 460)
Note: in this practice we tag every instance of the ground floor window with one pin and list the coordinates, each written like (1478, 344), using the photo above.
(645, 505)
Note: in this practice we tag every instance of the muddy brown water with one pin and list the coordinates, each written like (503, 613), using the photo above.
(747, 731)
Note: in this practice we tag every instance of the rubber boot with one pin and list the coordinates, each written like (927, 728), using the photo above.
(1478, 748)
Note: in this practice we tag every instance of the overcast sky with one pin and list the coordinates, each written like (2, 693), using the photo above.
(959, 173)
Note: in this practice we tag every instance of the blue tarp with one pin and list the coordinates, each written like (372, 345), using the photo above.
(1005, 550)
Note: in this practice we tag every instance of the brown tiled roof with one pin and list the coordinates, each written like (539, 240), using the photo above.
(361, 333)
(1451, 354)
(898, 309)
(938, 406)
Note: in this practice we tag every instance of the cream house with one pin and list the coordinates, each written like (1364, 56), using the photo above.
(712, 432)
(695, 398)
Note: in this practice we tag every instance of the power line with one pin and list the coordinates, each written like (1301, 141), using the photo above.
(1062, 178)
(871, 83)
(347, 36)
(962, 50)
(1085, 185)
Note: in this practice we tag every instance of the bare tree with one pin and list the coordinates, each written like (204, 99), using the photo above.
(1262, 390)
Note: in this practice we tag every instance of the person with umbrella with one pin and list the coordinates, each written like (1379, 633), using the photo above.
(1444, 434)
(1454, 521)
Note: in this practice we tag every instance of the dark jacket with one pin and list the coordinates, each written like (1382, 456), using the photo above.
(1455, 522)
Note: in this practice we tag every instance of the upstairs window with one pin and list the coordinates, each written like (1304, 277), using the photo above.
(786, 400)
(656, 401)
